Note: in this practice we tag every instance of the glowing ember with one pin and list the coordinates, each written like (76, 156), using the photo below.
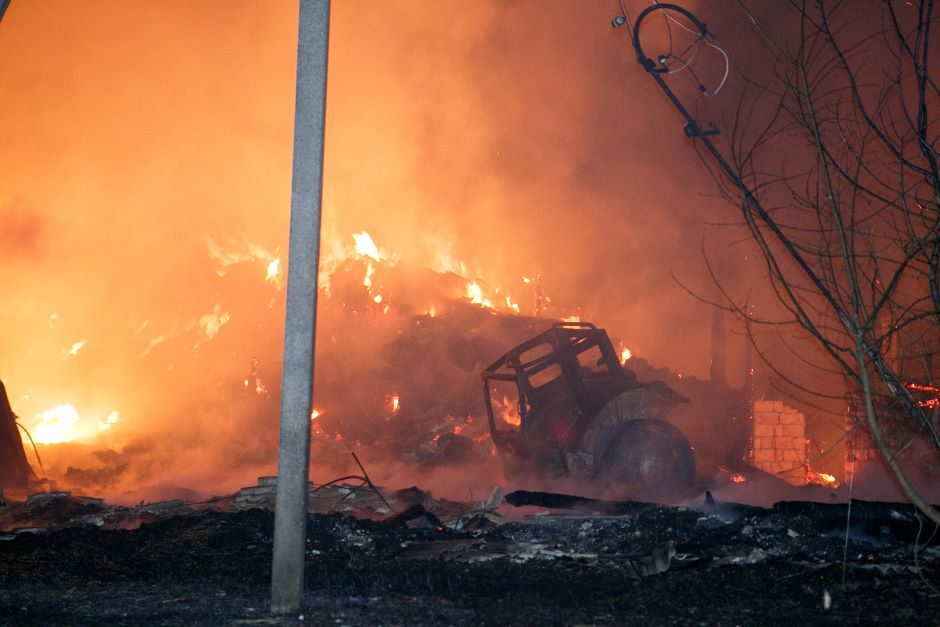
(77, 346)
(253, 381)
(928, 403)
(109, 422)
(212, 322)
(738, 478)
(316, 413)
(273, 274)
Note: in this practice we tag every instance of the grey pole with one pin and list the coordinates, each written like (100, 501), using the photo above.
(290, 514)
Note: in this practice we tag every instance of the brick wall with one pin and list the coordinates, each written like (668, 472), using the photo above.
(779, 441)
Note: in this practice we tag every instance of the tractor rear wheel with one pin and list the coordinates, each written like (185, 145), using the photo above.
(652, 458)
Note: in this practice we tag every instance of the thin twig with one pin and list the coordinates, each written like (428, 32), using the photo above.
(369, 481)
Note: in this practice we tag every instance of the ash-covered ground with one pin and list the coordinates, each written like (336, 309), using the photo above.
(67, 560)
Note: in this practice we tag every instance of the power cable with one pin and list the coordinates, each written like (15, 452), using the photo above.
(26, 431)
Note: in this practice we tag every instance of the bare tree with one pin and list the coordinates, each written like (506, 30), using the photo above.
(834, 163)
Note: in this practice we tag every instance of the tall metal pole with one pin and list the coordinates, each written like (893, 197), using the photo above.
(290, 514)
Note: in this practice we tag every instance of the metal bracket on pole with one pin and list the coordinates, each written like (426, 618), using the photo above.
(290, 515)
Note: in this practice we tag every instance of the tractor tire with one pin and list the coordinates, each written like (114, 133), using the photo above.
(651, 458)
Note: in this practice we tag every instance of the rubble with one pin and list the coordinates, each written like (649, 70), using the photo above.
(432, 561)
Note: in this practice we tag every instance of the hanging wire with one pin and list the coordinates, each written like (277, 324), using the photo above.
(35, 450)
(624, 12)
(701, 36)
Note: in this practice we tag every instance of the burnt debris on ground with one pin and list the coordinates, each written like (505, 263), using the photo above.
(554, 559)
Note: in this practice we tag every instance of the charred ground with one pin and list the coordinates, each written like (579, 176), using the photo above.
(588, 563)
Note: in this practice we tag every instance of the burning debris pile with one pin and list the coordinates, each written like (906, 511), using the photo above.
(400, 350)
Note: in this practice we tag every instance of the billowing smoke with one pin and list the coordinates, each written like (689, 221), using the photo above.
(146, 152)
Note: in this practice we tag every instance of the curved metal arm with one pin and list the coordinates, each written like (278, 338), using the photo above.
(648, 64)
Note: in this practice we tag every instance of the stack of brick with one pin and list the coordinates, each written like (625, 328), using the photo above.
(779, 441)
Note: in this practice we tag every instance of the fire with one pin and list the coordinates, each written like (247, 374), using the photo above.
(56, 425)
(625, 354)
(475, 293)
(63, 423)
(365, 247)
(245, 252)
(738, 478)
(392, 404)
(509, 412)
(367, 281)
(316, 413)
(821, 478)
(253, 381)
(443, 259)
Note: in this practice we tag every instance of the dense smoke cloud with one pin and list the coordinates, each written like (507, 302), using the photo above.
(134, 137)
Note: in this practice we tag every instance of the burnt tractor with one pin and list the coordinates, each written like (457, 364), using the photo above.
(562, 405)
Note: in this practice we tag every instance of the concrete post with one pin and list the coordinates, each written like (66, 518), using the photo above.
(290, 515)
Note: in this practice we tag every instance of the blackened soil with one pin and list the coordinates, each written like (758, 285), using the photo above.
(763, 568)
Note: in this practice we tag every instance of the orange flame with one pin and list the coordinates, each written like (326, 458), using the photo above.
(625, 354)
(392, 404)
(821, 478)
(63, 423)
(509, 412)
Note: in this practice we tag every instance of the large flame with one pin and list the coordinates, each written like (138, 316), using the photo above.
(63, 423)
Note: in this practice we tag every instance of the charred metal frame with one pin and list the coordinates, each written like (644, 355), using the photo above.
(567, 340)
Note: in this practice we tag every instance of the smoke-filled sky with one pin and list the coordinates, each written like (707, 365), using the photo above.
(136, 137)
